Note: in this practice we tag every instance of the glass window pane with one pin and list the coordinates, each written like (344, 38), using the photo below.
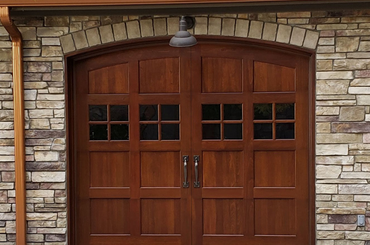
(262, 111)
(169, 112)
(233, 112)
(170, 132)
(98, 132)
(148, 112)
(263, 130)
(211, 112)
(285, 131)
(119, 132)
(233, 131)
(148, 132)
(285, 111)
(97, 112)
(211, 131)
(119, 113)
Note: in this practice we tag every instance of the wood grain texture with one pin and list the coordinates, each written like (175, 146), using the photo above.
(159, 75)
(273, 78)
(160, 216)
(223, 169)
(160, 169)
(275, 217)
(110, 216)
(274, 168)
(223, 216)
(109, 80)
(221, 75)
(109, 169)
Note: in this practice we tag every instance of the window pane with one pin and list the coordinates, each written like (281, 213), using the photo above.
(285, 131)
(169, 112)
(97, 112)
(119, 113)
(263, 130)
(211, 112)
(119, 132)
(262, 111)
(233, 131)
(170, 132)
(148, 132)
(233, 112)
(148, 112)
(98, 132)
(285, 111)
(211, 131)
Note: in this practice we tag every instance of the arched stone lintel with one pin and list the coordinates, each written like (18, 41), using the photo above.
(231, 27)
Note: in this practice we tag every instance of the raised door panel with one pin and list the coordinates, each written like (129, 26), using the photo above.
(109, 80)
(274, 168)
(273, 78)
(223, 169)
(109, 169)
(275, 217)
(161, 216)
(221, 75)
(159, 75)
(160, 169)
(223, 217)
(110, 216)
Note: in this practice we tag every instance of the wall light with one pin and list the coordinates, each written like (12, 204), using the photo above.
(183, 38)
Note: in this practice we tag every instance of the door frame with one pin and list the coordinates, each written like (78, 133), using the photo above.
(71, 58)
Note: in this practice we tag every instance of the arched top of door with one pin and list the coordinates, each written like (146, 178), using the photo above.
(152, 31)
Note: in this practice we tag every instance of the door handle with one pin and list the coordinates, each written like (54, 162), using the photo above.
(196, 164)
(185, 160)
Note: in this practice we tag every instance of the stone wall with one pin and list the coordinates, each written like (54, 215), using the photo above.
(341, 40)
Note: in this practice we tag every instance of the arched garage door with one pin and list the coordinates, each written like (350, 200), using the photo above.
(204, 145)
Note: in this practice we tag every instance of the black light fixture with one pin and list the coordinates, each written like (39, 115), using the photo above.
(183, 38)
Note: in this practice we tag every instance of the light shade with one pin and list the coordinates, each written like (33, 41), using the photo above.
(183, 38)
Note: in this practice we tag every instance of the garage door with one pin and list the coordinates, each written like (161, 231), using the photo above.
(195, 146)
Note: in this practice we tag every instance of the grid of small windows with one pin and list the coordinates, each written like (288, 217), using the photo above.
(109, 122)
(159, 122)
(222, 121)
(274, 121)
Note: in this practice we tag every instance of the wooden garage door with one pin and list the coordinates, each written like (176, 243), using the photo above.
(203, 145)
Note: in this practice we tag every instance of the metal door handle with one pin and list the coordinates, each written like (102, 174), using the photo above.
(196, 164)
(185, 160)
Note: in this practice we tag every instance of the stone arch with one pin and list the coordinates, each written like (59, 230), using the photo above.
(212, 26)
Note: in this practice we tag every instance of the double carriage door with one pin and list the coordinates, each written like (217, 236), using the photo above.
(204, 145)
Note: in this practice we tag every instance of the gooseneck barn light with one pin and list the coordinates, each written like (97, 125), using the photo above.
(183, 38)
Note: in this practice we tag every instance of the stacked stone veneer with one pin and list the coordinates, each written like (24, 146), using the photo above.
(341, 41)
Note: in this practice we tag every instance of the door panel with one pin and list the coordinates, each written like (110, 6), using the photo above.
(165, 79)
(109, 80)
(283, 77)
(196, 146)
(221, 75)
(253, 154)
(131, 138)
(223, 169)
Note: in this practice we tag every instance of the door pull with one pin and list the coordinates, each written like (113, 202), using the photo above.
(196, 164)
(185, 160)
